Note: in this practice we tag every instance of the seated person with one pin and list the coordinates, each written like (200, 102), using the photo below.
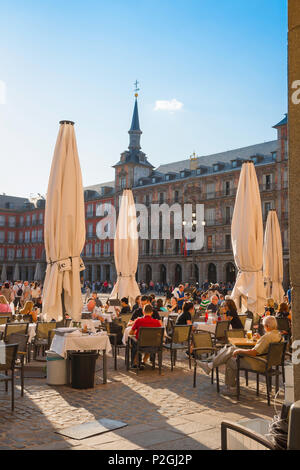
(204, 302)
(145, 322)
(39, 304)
(270, 307)
(138, 311)
(283, 311)
(5, 310)
(173, 308)
(125, 307)
(160, 306)
(96, 299)
(214, 304)
(228, 354)
(185, 318)
(232, 315)
(137, 303)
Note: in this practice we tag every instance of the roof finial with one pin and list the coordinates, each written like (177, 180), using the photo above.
(136, 89)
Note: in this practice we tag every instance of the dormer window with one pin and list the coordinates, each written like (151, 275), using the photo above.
(216, 167)
(167, 177)
(198, 171)
(234, 163)
(153, 180)
(182, 174)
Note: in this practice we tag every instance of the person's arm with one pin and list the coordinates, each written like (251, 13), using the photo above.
(245, 352)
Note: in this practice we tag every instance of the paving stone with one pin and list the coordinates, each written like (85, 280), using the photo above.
(162, 412)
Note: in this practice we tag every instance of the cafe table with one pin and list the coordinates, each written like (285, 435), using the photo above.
(63, 343)
(202, 326)
(242, 342)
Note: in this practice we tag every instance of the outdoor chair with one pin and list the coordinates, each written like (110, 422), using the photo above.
(51, 334)
(4, 320)
(255, 437)
(150, 341)
(9, 365)
(10, 328)
(243, 319)
(115, 331)
(203, 344)
(284, 326)
(125, 318)
(234, 334)
(27, 318)
(22, 341)
(180, 339)
(41, 337)
(267, 365)
(170, 326)
(219, 338)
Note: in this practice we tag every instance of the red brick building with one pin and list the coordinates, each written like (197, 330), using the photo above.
(210, 180)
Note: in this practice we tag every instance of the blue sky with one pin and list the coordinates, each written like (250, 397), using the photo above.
(224, 62)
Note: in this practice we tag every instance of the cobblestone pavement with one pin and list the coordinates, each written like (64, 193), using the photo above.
(162, 412)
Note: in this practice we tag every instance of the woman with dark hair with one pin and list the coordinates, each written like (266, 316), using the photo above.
(283, 311)
(185, 318)
(232, 315)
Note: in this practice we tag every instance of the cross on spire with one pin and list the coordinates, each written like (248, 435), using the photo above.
(136, 89)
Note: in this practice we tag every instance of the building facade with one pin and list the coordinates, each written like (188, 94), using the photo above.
(210, 180)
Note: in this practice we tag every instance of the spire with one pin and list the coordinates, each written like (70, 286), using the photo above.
(135, 131)
(135, 124)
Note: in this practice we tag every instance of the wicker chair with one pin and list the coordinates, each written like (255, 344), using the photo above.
(219, 338)
(243, 319)
(9, 365)
(41, 337)
(267, 365)
(10, 328)
(150, 341)
(115, 331)
(180, 339)
(125, 318)
(4, 320)
(234, 334)
(203, 344)
(22, 341)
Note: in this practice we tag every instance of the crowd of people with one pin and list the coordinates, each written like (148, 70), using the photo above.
(21, 297)
(184, 300)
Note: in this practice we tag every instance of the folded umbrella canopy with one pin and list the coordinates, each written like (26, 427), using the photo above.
(126, 250)
(64, 229)
(16, 272)
(272, 258)
(247, 243)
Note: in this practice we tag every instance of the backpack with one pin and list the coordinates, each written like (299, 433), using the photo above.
(19, 292)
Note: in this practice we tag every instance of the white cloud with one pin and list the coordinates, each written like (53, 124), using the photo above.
(171, 105)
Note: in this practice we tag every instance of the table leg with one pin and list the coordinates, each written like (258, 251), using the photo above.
(104, 367)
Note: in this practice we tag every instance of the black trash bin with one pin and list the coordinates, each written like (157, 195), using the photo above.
(83, 369)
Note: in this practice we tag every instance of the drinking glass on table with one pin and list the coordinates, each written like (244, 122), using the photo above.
(249, 335)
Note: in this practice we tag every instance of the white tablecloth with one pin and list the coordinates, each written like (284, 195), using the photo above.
(31, 330)
(91, 324)
(62, 344)
(126, 334)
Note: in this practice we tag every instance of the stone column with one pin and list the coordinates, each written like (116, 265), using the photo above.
(294, 172)
(94, 272)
